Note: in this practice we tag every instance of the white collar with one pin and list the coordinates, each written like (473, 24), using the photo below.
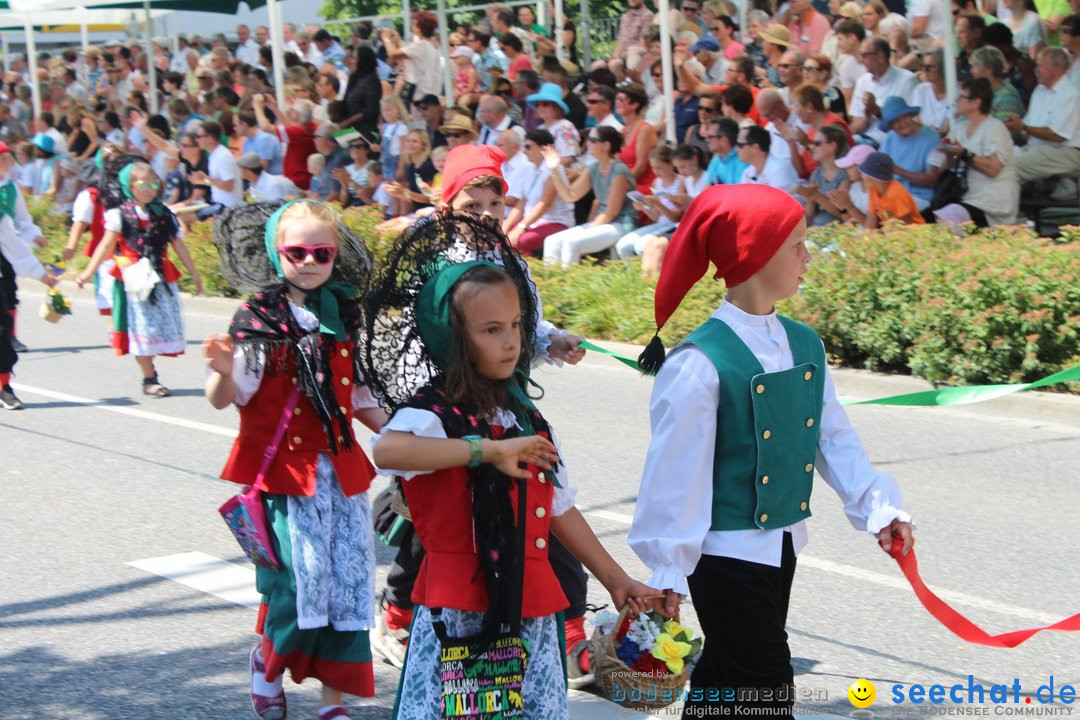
(729, 312)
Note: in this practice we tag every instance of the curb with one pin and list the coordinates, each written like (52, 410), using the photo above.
(851, 383)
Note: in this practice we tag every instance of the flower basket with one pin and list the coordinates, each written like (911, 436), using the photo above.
(54, 306)
(645, 683)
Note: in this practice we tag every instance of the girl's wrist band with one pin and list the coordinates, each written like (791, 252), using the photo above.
(476, 449)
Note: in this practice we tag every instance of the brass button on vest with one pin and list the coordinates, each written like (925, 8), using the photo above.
(809, 467)
(541, 543)
(346, 381)
(766, 435)
(764, 517)
(344, 352)
(759, 389)
(297, 440)
(803, 505)
(540, 512)
(807, 375)
(765, 480)
(809, 422)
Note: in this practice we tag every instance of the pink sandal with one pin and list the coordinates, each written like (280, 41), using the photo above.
(266, 707)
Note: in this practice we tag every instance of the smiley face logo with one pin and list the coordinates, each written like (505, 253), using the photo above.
(862, 693)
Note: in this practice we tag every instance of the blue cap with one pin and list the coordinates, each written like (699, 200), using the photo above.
(44, 142)
(878, 166)
(895, 107)
(552, 93)
(707, 42)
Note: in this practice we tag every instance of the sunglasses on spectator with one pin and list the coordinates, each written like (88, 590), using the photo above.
(713, 137)
(321, 254)
(785, 66)
(592, 138)
(819, 143)
(702, 108)
(147, 184)
(457, 134)
(593, 101)
(741, 144)
(689, 9)
(810, 67)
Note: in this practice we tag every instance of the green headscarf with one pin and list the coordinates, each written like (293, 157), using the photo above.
(433, 308)
(155, 206)
(323, 300)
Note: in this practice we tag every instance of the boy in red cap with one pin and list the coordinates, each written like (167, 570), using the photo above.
(742, 413)
(17, 234)
(473, 183)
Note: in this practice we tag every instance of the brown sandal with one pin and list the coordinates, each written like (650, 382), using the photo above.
(151, 386)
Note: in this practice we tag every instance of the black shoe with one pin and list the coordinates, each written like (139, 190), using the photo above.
(18, 346)
(8, 400)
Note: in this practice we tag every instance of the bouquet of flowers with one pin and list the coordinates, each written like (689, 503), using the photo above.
(642, 662)
(55, 306)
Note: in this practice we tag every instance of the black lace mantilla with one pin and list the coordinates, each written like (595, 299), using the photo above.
(396, 362)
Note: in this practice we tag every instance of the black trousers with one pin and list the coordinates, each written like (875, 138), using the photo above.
(8, 356)
(742, 607)
(406, 566)
(8, 288)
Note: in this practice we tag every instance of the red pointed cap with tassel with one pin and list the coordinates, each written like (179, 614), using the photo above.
(738, 228)
(468, 162)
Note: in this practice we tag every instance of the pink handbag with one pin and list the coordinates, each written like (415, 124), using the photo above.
(244, 513)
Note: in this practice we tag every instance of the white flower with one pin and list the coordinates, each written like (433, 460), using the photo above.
(605, 620)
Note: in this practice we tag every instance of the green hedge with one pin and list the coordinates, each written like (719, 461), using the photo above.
(993, 307)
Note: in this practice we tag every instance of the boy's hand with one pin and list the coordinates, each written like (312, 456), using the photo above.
(565, 347)
(668, 604)
(507, 455)
(218, 348)
(897, 530)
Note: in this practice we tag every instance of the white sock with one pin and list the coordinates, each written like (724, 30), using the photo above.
(260, 686)
(324, 711)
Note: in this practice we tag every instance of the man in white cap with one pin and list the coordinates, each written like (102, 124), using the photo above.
(261, 184)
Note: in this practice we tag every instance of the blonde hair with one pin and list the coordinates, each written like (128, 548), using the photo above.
(440, 153)
(395, 102)
(426, 152)
(307, 211)
(316, 163)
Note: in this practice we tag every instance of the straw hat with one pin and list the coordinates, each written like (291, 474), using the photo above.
(458, 123)
(777, 35)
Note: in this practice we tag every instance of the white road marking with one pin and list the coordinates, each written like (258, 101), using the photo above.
(207, 574)
(130, 412)
(864, 575)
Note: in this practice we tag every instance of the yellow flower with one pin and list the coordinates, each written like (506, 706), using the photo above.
(670, 652)
(673, 628)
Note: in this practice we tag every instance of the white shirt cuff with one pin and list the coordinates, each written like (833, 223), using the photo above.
(669, 577)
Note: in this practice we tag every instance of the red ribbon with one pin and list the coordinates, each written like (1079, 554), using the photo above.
(956, 622)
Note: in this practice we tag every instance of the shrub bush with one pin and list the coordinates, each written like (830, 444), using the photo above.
(994, 307)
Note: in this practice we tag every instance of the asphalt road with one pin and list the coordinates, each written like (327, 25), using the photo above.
(95, 477)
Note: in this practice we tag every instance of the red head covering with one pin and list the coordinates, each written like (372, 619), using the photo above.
(736, 227)
(4, 147)
(468, 162)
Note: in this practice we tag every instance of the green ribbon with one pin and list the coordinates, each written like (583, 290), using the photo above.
(963, 395)
(7, 199)
(323, 300)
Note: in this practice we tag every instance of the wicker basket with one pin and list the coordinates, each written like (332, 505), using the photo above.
(398, 504)
(47, 313)
(635, 690)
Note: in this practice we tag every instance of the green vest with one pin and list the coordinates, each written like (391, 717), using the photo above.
(766, 428)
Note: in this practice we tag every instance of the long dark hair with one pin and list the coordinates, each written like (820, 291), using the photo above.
(464, 385)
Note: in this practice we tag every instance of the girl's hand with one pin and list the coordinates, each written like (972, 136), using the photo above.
(67, 254)
(218, 348)
(197, 282)
(627, 591)
(552, 158)
(565, 347)
(507, 455)
(81, 279)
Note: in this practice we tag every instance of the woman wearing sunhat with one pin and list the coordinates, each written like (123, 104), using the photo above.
(46, 161)
(911, 146)
(549, 105)
(775, 41)
(460, 130)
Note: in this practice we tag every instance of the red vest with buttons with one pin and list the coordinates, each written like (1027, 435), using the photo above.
(292, 471)
(97, 223)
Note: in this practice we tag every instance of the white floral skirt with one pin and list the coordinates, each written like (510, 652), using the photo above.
(156, 328)
(420, 695)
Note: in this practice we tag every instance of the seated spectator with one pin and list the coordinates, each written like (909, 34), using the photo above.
(776, 114)
(993, 194)
(737, 103)
(600, 104)
(513, 49)
(690, 165)
(226, 188)
(708, 109)
(611, 216)
(460, 130)
(658, 205)
(830, 143)
(542, 210)
(764, 169)
(817, 71)
(877, 19)
(707, 51)
(263, 185)
(418, 166)
(377, 182)
(888, 199)
(1019, 68)
(903, 54)
(725, 165)
(517, 171)
(316, 164)
(809, 107)
(466, 78)
(1070, 40)
(849, 37)
(353, 178)
(494, 118)
(854, 194)
(1052, 122)
(807, 27)
(882, 80)
(969, 36)
(1028, 30)
(260, 142)
(911, 147)
(431, 117)
(775, 40)
(930, 94)
(790, 70)
(639, 137)
(552, 110)
(987, 62)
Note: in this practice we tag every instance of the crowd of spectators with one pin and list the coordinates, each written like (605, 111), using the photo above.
(842, 104)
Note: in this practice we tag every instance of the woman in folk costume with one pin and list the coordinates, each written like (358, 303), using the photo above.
(460, 441)
(18, 233)
(293, 348)
(743, 411)
(147, 315)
